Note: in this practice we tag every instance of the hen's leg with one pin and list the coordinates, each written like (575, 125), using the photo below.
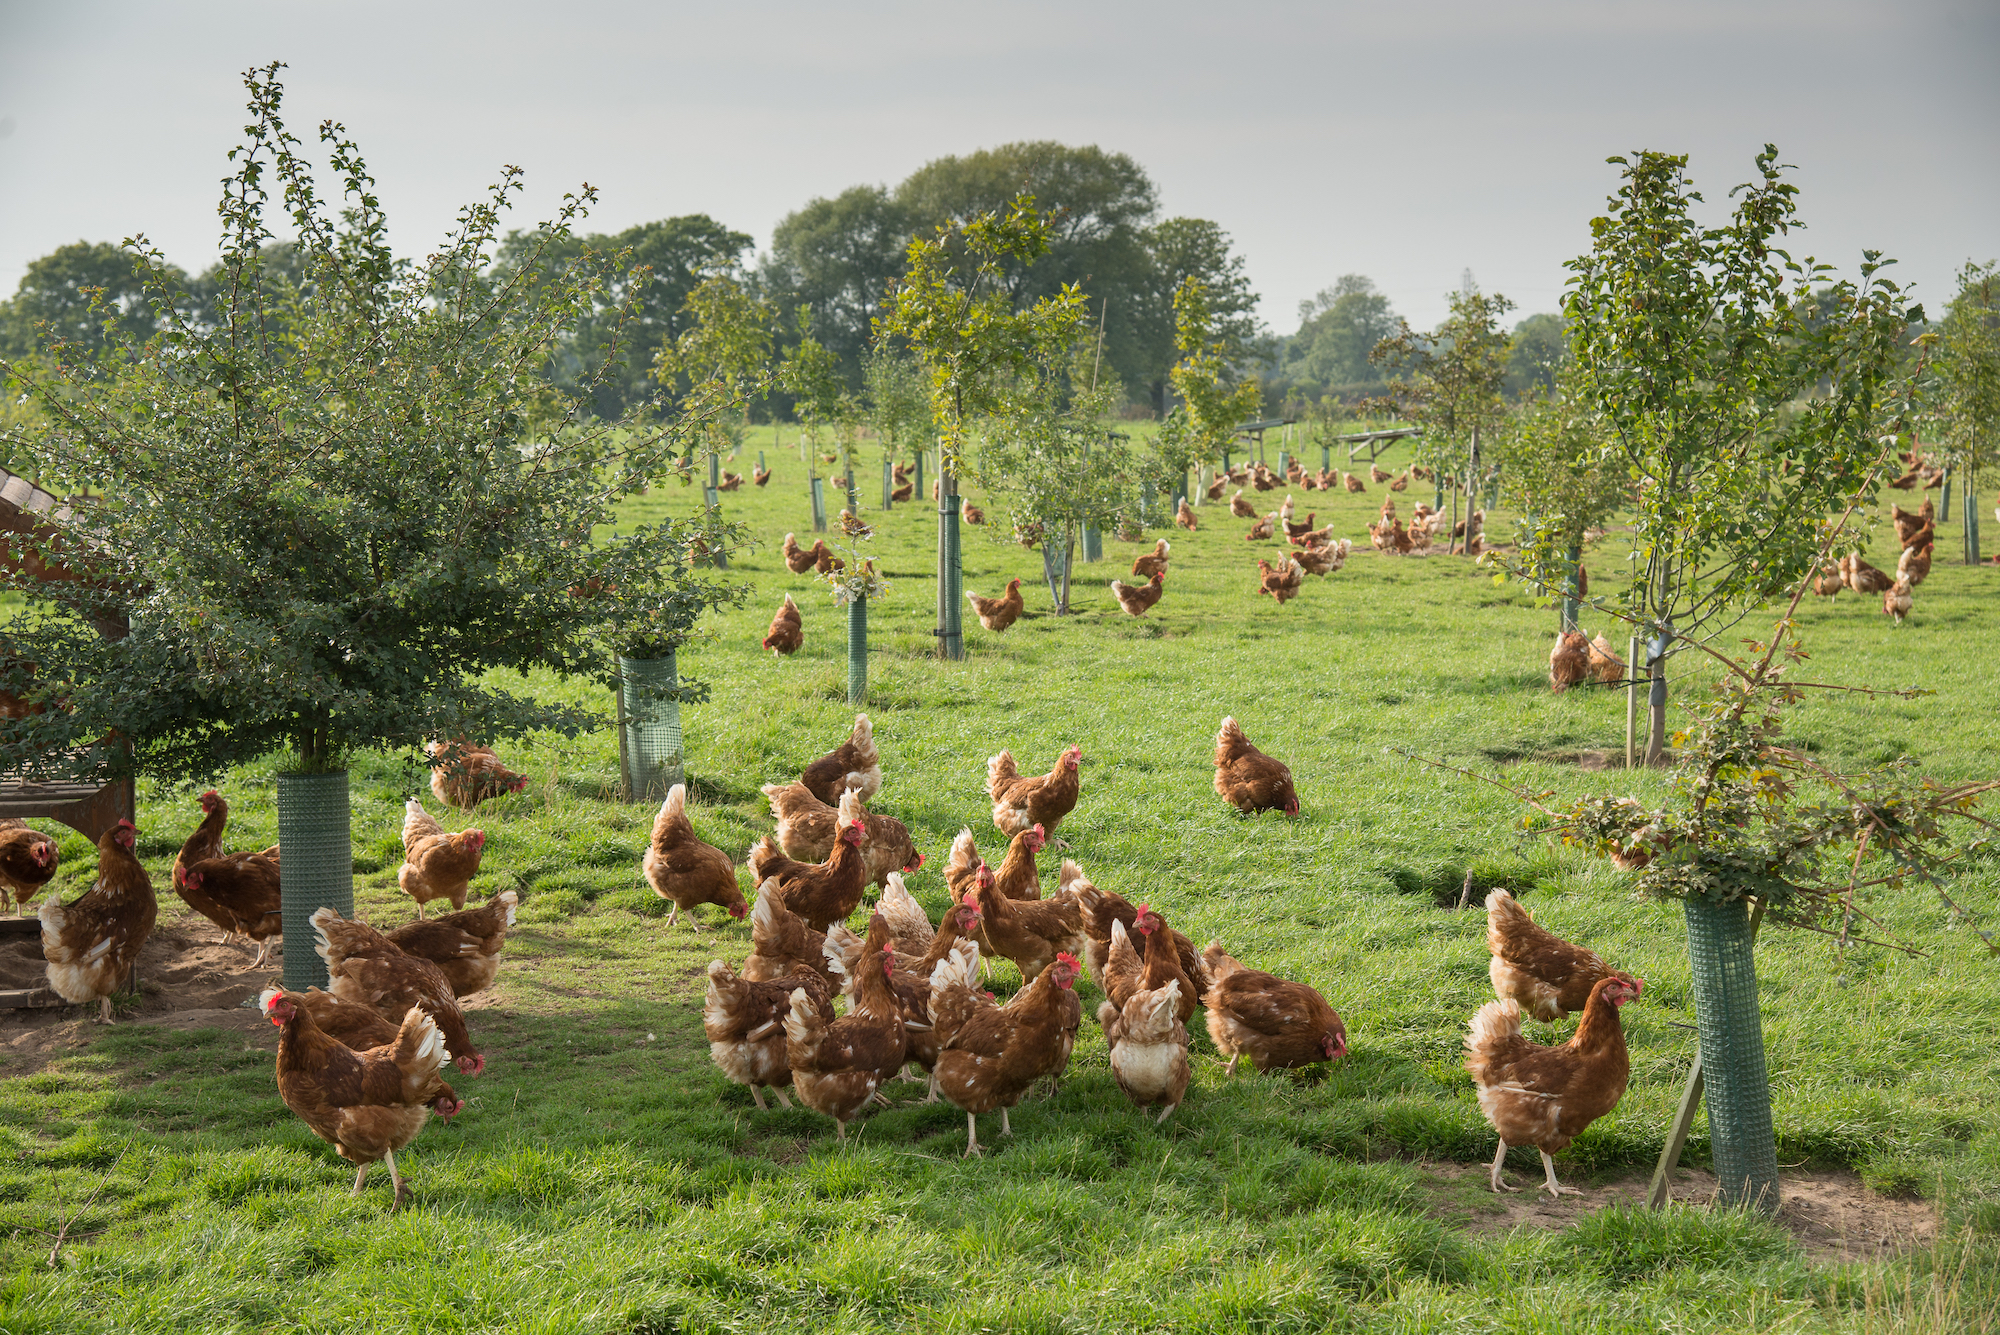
(1230, 1070)
(401, 1190)
(104, 1010)
(972, 1136)
(673, 915)
(1494, 1177)
(758, 1095)
(360, 1175)
(1553, 1187)
(783, 1102)
(1162, 1118)
(932, 1097)
(840, 1131)
(1005, 1130)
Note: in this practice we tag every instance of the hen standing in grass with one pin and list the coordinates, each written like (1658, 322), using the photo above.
(367, 1105)
(1248, 779)
(464, 774)
(838, 1065)
(808, 828)
(685, 871)
(92, 943)
(1148, 1044)
(990, 1056)
(1274, 1022)
(787, 630)
(437, 865)
(1549, 977)
(820, 893)
(1031, 933)
(368, 969)
(1545, 1097)
(1138, 599)
(358, 1028)
(466, 945)
(1021, 801)
(856, 763)
(1569, 660)
(996, 614)
(744, 1021)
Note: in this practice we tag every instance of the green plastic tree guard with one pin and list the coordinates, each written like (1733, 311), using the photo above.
(317, 870)
(653, 755)
(920, 493)
(857, 651)
(1093, 543)
(819, 506)
(1721, 938)
(1284, 462)
(951, 573)
(888, 483)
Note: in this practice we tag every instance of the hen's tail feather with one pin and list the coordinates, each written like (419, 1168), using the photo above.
(999, 770)
(1493, 1024)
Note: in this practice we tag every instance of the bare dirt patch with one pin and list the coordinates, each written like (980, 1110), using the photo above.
(188, 979)
(1831, 1214)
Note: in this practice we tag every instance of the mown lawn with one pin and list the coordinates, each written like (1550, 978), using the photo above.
(606, 1178)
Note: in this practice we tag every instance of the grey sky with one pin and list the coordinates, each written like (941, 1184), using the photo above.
(1408, 142)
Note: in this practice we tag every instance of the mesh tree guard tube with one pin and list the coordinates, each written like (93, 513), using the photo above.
(1720, 940)
(951, 574)
(317, 869)
(819, 506)
(857, 650)
(653, 759)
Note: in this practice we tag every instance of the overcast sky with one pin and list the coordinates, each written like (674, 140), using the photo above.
(1409, 142)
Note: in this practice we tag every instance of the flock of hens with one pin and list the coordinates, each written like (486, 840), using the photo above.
(363, 1063)
(912, 988)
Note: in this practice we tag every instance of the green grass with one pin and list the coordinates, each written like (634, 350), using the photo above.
(606, 1178)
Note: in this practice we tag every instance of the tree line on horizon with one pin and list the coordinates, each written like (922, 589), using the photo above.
(840, 257)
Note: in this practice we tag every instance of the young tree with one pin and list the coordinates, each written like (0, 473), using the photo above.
(331, 514)
(1744, 416)
(1968, 384)
(1452, 389)
(725, 354)
(1055, 465)
(897, 403)
(954, 312)
(1215, 400)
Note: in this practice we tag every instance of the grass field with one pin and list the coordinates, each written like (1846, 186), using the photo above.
(606, 1178)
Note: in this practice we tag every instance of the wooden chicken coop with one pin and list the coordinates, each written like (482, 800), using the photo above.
(90, 808)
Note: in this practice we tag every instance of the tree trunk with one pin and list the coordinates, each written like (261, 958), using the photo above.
(1069, 562)
(1656, 701)
(951, 574)
(1737, 1085)
(1971, 503)
(317, 870)
(1572, 591)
